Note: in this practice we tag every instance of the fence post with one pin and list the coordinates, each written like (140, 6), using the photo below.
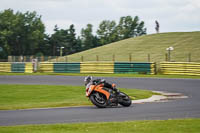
(149, 57)
(66, 59)
(97, 58)
(189, 57)
(9, 58)
(113, 57)
(21, 59)
(49, 58)
(42, 58)
(56, 58)
(166, 57)
(130, 57)
(82, 59)
(31, 58)
(24, 59)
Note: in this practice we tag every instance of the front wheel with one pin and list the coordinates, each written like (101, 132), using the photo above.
(99, 100)
(124, 100)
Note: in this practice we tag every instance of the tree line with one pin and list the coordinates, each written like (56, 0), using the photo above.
(24, 34)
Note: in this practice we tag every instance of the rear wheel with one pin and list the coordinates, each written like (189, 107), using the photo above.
(99, 100)
(124, 100)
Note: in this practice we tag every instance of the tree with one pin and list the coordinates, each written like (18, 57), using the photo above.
(21, 34)
(6, 22)
(78, 46)
(88, 39)
(64, 38)
(45, 47)
(129, 27)
(74, 46)
(107, 32)
(58, 40)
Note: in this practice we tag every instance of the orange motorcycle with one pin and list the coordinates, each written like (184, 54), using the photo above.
(104, 97)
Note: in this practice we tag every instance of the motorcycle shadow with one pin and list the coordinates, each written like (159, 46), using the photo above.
(111, 107)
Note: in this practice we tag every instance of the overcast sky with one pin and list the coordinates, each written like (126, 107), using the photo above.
(173, 15)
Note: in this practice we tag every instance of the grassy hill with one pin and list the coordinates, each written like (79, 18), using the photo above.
(155, 45)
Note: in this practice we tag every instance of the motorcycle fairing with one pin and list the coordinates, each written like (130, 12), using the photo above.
(97, 88)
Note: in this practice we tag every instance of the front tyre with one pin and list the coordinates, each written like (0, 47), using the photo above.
(99, 100)
(124, 100)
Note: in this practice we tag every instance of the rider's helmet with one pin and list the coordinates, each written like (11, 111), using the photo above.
(87, 79)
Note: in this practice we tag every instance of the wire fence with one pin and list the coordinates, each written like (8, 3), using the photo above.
(113, 57)
(31, 58)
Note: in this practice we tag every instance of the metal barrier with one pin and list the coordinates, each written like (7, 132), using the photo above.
(29, 68)
(126, 67)
(180, 68)
(66, 67)
(97, 67)
(16, 67)
(46, 67)
(5, 67)
(82, 67)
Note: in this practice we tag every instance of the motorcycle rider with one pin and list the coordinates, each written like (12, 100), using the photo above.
(88, 81)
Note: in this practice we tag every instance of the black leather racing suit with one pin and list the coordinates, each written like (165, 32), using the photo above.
(105, 84)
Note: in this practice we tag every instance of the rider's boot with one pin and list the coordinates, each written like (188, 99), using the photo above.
(112, 100)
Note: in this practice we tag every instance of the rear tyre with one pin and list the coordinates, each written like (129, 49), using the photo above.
(99, 100)
(125, 100)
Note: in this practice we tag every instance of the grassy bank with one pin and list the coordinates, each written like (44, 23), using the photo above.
(158, 126)
(40, 96)
(184, 43)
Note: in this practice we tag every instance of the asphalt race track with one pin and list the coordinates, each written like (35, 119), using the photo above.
(180, 108)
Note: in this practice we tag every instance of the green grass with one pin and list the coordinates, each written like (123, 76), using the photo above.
(107, 75)
(41, 96)
(158, 126)
(154, 44)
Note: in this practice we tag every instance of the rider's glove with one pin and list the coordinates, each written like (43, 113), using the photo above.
(115, 89)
